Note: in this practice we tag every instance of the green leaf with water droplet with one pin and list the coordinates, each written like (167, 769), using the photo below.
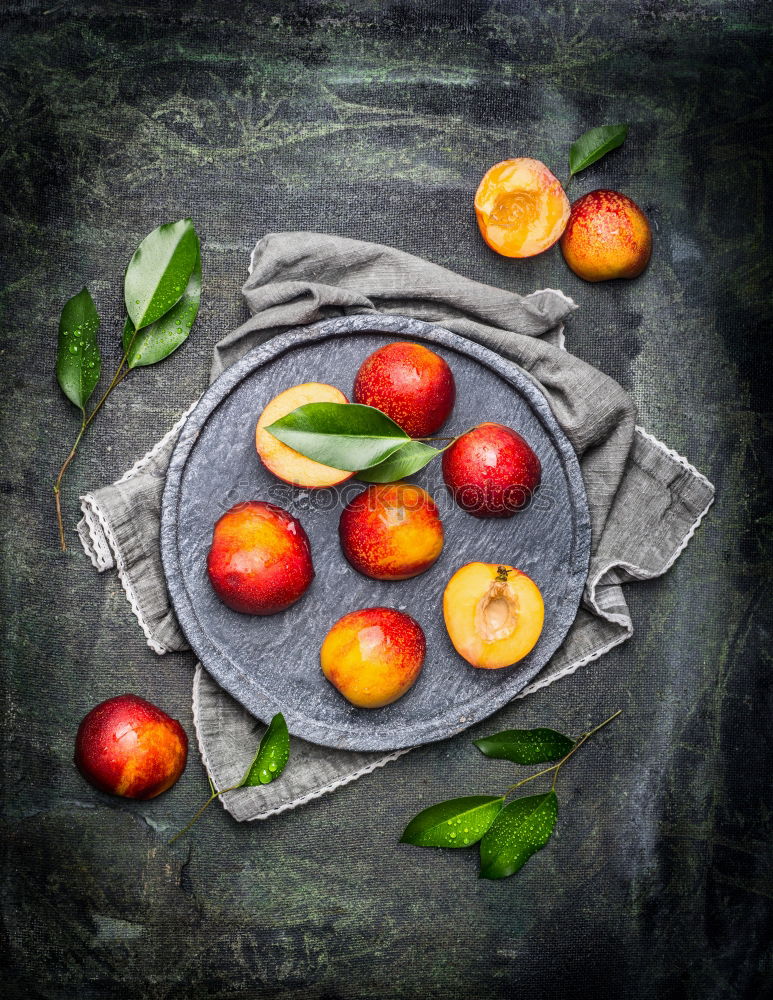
(455, 823)
(346, 436)
(78, 360)
(158, 273)
(404, 462)
(594, 144)
(526, 746)
(520, 830)
(272, 755)
(155, 342)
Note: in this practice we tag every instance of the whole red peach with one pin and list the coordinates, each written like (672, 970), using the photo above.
(260, 559)
(411, 384)
(127, 746)
(491, 471)
(373, 656)
(607, 236)
(391, 531)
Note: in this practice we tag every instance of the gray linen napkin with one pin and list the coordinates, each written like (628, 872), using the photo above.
(645, 501)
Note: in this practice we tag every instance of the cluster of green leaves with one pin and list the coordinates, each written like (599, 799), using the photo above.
(510, 834)
(594, 144)
(354, 438)
(268, 763)
(162, 292)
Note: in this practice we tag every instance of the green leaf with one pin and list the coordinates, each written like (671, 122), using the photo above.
(594, 144)
(526, 746)
(455, 823)
(404, 462)
(78, 360)
(155, 342)
(520, 830)
(158, 272)
(271, 757)
(346, 436)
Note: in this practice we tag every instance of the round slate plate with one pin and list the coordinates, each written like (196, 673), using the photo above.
(271, 664)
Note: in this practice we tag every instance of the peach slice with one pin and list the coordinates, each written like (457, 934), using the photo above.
(493, 614)
(281, 460)
(521, 207)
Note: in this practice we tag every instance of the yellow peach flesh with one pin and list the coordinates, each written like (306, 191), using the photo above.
(281, 460)
(493, 613)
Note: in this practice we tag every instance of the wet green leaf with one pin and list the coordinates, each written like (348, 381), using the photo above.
(455, 823)
(594, 144)
(346, 436)
(520, 830)
(404, 462)
(155, 342)
(78, 360)
(272, 755)
(526, 746)
(158, 273)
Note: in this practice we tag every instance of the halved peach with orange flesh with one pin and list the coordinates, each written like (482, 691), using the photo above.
(284, 462)
(521, 207)
(493, 614)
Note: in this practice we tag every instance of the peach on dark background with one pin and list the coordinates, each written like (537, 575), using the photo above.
(607, 236)
(260, 559)
(411, 384)
(130, 747)
(491, 471)
(521, 207)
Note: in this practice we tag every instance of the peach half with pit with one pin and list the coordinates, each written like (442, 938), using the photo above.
(411, 384)
(493, 613)
(281, 460)
(373, 656)
(391, 531)
(259, 562)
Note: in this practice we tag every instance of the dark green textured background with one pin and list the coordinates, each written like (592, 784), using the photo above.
(376, 120)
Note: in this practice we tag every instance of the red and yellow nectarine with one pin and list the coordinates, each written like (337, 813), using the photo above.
(391, 531)
(491, 471)
(608, 236)
(493, 613)
(127, 746)
(411, 384)
(373, 656)
(260, 559)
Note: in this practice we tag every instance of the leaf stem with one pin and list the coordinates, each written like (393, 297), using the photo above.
(117, 379)
(206, 805)
(119, 376)
(555, 768)
(450, 440)
(58, 483)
